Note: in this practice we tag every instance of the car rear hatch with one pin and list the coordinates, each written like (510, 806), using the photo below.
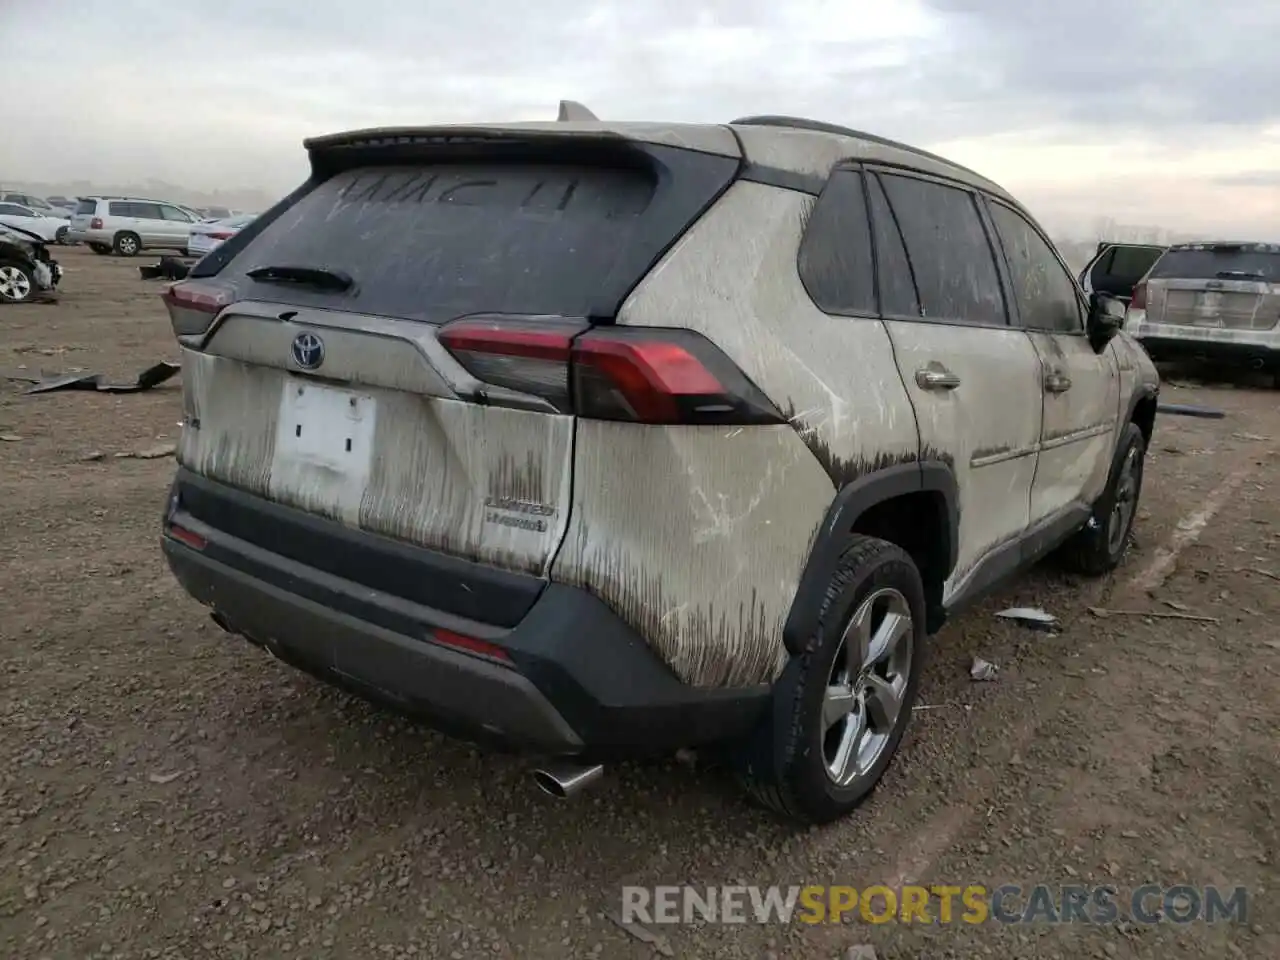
(83, 215)
(387, 347)
(1228, 286)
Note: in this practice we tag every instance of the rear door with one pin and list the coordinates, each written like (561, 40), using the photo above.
(149, 223)
(341, 399)
(1118, 267)
(1223, 286)
(974, 380)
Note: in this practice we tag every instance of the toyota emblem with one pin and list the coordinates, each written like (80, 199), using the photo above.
(307, 351)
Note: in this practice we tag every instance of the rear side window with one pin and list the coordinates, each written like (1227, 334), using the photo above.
(13, 210)
(87, 206)
(1220, 262)
(835, 254)
(951, 257)
(1045, 292)
(434, 241)
(121, 208)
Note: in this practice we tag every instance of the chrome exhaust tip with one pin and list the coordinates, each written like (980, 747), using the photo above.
(563, 780)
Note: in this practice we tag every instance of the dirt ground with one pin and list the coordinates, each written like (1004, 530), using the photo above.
(167, 791)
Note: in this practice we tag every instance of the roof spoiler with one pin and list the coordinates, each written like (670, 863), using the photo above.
(572, 110)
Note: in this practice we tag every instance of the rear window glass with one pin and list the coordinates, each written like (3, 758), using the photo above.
(435, 241)
(1219, 263)
(86, 206)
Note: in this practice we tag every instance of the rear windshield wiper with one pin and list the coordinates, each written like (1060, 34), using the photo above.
(318, 277)
(1239, 275)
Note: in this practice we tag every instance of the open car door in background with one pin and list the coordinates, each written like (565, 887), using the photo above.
(1117, 267)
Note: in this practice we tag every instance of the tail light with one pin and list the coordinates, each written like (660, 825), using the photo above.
(187, 537)
(465, 644)
(221, 235)
(634, 374)
(95, 223)
(1139, 299)
(193, 305)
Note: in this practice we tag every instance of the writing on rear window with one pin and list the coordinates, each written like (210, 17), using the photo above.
(527, 189)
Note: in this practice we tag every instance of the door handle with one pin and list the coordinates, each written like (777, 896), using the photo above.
(1057, 382)
(936, 378)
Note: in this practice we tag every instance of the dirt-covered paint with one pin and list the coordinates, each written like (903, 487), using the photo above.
(1078, 434)
(988, 426)
(696, 537)
(480, 482)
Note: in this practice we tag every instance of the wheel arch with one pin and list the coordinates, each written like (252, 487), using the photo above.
(1142, 410)
(914, 505)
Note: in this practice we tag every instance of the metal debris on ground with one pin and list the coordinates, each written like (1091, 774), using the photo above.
(163, 778)
(148, 378)
(643, 934)
(983, 670)
(1030, 617)
(1189, 410)
(1102, 613)
(11, 438)
(149, 453)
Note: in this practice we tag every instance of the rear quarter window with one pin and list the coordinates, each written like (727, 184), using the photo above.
(835, 260)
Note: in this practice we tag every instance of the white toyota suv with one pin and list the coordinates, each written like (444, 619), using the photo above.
(126, 226)
(599, 439)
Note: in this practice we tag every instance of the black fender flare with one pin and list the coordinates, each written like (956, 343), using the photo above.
(851, 502)
(1141, 392)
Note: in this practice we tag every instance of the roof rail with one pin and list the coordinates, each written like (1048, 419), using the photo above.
(573, 110)
(818, 126)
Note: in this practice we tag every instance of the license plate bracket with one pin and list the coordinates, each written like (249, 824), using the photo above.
(328, 429)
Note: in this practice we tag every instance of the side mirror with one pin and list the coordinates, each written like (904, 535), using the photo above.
(1106, 319)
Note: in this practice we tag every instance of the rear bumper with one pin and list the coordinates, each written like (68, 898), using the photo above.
(1256, 349)
(576, 681)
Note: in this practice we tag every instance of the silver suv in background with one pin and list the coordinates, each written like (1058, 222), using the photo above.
(128, 225)
(1216, 300)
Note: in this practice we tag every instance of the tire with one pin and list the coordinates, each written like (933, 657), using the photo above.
(101, 249)
(792, 764)
(127, 244)
(1100, 545)
(60, 236)
(17, 285)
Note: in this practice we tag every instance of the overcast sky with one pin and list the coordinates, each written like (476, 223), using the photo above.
(1151, 111)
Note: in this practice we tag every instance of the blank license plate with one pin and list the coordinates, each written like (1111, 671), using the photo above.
(328, 428)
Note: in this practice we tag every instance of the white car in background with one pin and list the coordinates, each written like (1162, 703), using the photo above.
(206, 236)
(51, 229)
